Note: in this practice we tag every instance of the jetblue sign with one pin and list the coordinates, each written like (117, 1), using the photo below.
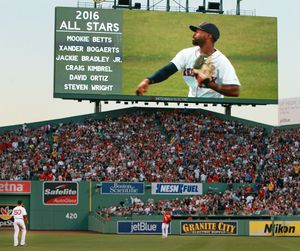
(140, 227)
(122, 188)
(177, 188)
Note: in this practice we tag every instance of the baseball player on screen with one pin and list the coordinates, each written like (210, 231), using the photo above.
(20, 215)
(165, 223)
(207, 72)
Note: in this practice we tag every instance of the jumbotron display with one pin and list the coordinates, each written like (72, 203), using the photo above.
(134, 55)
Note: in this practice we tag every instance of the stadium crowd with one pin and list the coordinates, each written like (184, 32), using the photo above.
(163, 146)
(231, 202)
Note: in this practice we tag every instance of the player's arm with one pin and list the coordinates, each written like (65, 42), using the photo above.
(226, 74)
(159, 76)
(226, 90)
(25, 219)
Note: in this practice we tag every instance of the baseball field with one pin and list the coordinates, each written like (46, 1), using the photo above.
(152, 39)
(81, 241)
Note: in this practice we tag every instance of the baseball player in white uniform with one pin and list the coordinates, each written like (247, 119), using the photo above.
(20, 215)
(224, 81)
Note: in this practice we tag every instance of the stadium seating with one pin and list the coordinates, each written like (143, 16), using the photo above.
(164, 146)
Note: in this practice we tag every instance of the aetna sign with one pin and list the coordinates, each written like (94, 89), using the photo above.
(60, 193)
(15, 187)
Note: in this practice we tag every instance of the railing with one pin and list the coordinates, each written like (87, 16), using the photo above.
(159, 6)
(98, 217)
(242, 12)
(223, 217)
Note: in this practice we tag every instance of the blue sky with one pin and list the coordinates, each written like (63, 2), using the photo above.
(26, 61)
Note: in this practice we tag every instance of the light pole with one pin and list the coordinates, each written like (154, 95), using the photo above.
(97, 107)
(238, 7)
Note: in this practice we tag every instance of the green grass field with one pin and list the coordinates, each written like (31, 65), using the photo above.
(152, 39)
(59, 241)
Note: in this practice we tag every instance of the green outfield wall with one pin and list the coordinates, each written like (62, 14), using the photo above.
(59, 217)
(209, 225)
(72, 206)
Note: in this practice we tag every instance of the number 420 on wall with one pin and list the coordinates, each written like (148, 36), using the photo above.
(71, 216)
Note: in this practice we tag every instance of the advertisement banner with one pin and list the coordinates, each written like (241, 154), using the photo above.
(260, 228)
(60, 193)
(176, 188)
(208, 228)
(122, 188)
(6, 219)
(288, 112)
(12, 187)
(140, 227)
(278, 228)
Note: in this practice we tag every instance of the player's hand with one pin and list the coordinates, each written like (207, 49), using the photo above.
(203, 70)
(142, 88)
(202, 81)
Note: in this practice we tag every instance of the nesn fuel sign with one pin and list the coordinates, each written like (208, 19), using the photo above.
(177, 188)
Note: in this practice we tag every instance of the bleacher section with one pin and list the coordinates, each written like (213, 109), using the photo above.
(163, 145)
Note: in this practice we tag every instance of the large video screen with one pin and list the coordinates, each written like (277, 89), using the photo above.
(104, 54)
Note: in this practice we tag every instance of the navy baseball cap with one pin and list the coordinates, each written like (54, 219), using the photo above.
(209, 28)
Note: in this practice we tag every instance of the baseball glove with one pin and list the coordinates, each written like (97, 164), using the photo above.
(204, 70)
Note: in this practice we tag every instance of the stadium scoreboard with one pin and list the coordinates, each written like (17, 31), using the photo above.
(103, 54)
(88, 51)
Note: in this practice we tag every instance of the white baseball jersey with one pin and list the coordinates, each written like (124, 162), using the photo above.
(224, 73)
(19, 212)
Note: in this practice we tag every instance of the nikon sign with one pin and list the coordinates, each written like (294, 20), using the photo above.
(276, 228)
(60, 193)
